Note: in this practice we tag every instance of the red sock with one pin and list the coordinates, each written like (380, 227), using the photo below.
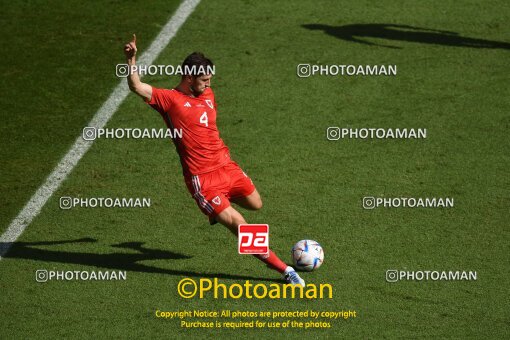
(272, 261)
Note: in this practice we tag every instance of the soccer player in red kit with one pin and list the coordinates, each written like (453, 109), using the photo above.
(212, 177)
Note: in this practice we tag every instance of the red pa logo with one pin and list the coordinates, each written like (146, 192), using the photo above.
(253, 238)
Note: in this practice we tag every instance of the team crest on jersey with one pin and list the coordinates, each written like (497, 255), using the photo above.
(209, 103)
(187, 104)
(217, 200)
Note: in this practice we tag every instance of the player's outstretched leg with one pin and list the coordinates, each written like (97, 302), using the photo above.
(231, 218)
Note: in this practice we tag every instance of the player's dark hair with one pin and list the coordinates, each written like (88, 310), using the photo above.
(197, 61)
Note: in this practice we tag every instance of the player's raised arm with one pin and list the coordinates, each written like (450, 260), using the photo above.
(135, 85)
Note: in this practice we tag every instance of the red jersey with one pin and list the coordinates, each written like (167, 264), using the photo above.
(200, 149)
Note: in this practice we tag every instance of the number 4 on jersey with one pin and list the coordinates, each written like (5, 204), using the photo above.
(204, 120)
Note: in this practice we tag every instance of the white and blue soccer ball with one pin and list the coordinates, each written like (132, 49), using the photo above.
(307, 255)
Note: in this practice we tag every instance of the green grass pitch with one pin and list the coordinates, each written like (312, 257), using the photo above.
(58, 67)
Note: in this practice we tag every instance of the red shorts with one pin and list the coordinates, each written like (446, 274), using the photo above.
(213, 190)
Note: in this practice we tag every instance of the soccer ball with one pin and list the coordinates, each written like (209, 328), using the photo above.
(307, 255)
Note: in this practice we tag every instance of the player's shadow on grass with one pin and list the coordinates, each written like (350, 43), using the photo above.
(115, 260)
(391, 32)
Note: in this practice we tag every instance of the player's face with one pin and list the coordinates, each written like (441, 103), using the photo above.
(200, 83)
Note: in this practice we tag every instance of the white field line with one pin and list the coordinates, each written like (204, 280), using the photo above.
(80, 146)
